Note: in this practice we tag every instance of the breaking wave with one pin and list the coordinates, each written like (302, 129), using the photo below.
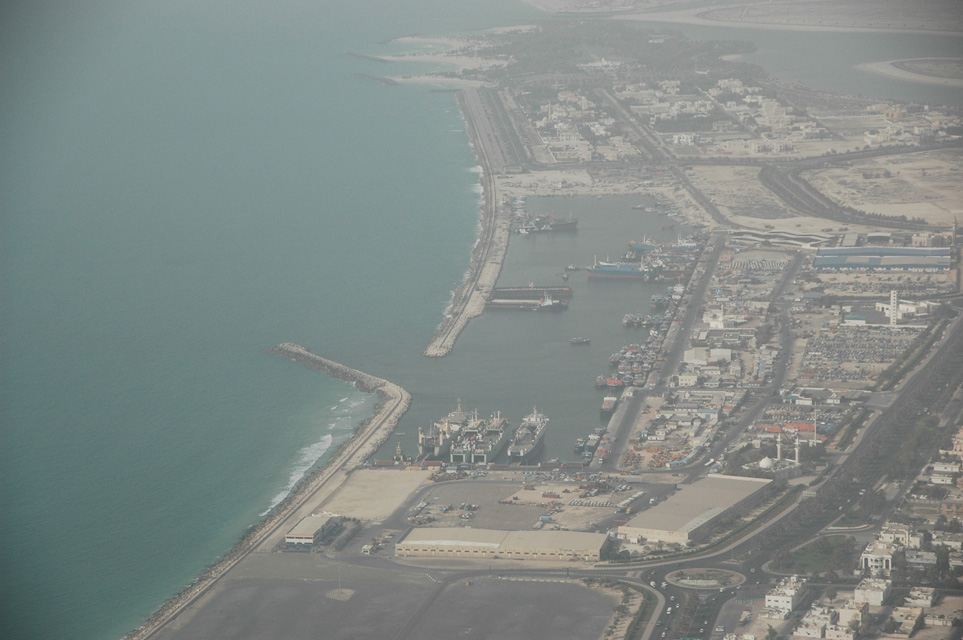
(339, 424)
(307, 458)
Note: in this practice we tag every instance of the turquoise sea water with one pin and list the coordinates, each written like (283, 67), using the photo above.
(185, 184)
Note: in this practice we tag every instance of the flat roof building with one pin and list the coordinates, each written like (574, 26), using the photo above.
(313, 529)
(489, 544)
(690, 514)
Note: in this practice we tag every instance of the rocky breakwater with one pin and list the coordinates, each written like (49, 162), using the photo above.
(312, 490)
(375, 430)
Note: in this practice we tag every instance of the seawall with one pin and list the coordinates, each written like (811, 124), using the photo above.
(486, 261)
(319, 485)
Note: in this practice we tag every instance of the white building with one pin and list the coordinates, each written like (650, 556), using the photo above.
(872, 591)
(877, 557)
(893, 533)
(786, 595)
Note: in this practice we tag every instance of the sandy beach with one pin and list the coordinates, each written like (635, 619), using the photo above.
(935, 17)
(890, 69)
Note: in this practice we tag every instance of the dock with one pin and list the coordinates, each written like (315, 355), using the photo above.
(531, 292)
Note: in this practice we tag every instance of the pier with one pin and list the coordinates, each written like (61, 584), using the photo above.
(486, 262)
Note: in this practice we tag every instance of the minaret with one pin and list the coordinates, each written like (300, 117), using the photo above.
(779, 447)
(797, 450)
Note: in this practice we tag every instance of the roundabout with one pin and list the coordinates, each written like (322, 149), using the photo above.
(705, 578)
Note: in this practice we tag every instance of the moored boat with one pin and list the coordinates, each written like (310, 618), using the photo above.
(608, 405)
(528, 437)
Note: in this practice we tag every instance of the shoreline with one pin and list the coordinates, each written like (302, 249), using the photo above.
(696, 17)
(890, 69)
(366, 440)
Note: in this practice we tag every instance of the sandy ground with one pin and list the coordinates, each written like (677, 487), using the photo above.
(932, 16)
(596, 6)
(889, 69)
(374, 494)
(738, 192)
(458, 53)
(925, 184)
(432, 79)
(460, 62)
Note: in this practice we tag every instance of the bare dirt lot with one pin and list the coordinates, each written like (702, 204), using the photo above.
(374, 494)
(924, 185)
(738, 192)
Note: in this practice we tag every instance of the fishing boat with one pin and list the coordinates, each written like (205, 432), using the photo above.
(641, 246)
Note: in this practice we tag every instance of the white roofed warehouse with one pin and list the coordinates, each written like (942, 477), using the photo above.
(313, 530)
(492, 544)
(689, 515)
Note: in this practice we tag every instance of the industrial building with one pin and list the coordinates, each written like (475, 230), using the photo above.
(314, 529)
(491, 544)
(784, 238)
(873, 257)
(690, 514)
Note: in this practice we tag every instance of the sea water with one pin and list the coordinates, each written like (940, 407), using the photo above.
(185, 185)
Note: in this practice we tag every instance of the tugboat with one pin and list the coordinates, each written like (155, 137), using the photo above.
(528, 438)
(547, 303)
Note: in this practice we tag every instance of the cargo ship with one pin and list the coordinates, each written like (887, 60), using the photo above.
(528, 437)
(545, 303)
(480, 441)
(623, 270)
(608, 406)
(531, 292)
(435, 440)
(546, 224)
(580, 341)
(642, 246)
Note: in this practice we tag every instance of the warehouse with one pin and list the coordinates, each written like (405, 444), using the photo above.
(315, 529)
(915, 258)
(491, 544)
(690, 514)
